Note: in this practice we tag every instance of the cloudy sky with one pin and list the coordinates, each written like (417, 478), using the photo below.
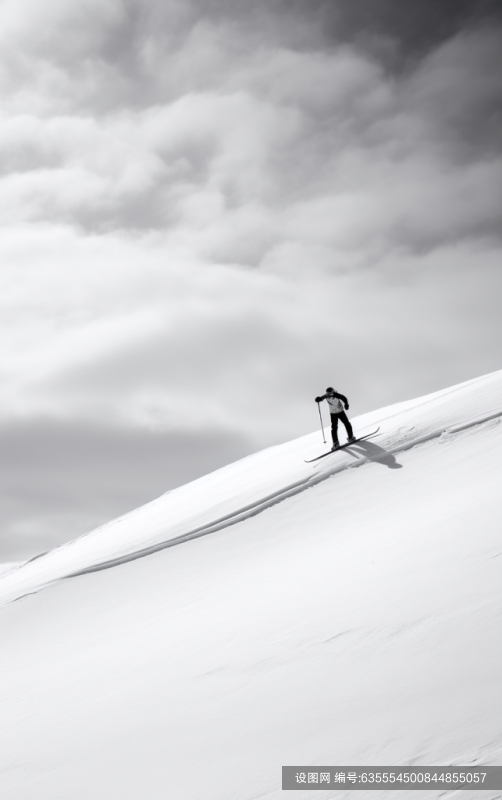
(213, 209)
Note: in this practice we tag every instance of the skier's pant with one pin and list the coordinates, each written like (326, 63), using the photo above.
(342, 416)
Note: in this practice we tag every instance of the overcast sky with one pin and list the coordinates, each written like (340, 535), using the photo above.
(212, 210)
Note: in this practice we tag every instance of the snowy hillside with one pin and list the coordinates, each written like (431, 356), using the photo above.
(274, 612)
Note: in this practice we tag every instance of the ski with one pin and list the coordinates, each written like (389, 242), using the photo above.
(343, 446)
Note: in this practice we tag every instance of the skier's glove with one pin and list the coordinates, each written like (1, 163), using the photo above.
(346, 406)
(318, 399)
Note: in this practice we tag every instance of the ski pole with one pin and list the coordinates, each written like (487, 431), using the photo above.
(322, 426)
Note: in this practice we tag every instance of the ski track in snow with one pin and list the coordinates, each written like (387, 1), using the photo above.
(316, 474)
(278, 497)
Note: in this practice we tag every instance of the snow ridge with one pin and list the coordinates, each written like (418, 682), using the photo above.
(255, 484)
(278, 497)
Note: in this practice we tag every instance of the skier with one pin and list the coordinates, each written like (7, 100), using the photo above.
(335, 400)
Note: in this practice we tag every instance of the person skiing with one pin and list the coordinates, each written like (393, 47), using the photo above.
(337, 412)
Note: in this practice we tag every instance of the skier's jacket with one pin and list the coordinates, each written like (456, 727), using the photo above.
(336, 402)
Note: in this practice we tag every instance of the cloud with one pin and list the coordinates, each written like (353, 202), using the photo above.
(397, 32)
(457, 88)
(60, 31)
(228, 168)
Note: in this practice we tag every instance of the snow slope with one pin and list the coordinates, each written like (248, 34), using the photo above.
(273, 612)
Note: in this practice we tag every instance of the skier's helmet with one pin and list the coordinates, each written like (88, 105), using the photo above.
(329, 390)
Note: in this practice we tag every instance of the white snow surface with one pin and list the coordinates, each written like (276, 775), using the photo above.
(8, 565)
(273, 612)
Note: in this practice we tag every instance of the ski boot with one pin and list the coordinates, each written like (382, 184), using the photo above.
(336, 445)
